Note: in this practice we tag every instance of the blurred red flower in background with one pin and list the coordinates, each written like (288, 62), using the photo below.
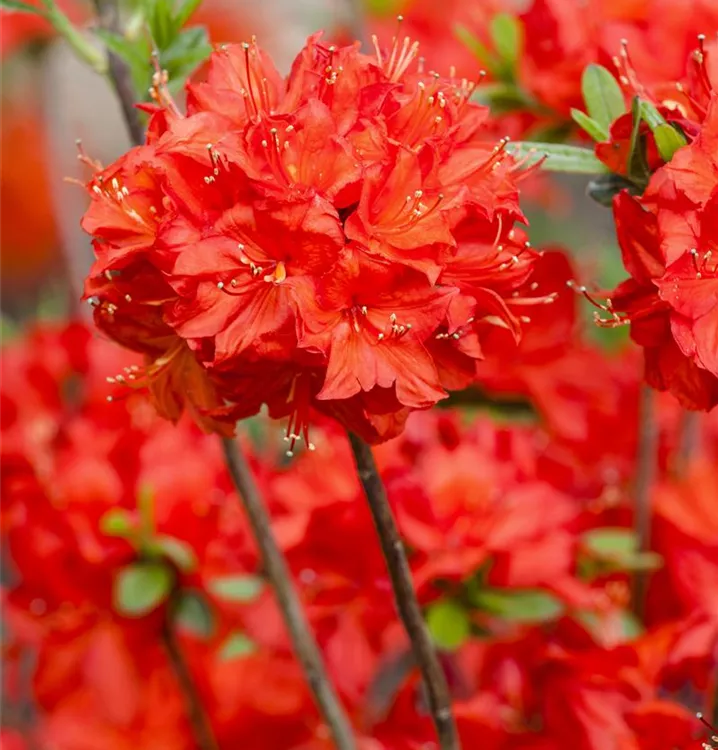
(498, 538)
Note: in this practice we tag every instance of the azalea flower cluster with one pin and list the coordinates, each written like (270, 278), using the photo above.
(669, 234)
(521, 565)
(539, 81)
(341, 239)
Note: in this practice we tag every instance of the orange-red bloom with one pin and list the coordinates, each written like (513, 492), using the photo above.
(306, 242)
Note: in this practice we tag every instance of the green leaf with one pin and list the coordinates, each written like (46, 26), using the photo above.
(619, 548)
(525, 606)
(15, 6)
(602, 95)
(176, 550)
(236, 645)
(132, 52)
(244, 588)
(603, 189)
(631, 627)
(184, 12)
(505, 33)
(668, 139)
(593, 128)
(186, 53)
(560, 158)
(117, 522)
(448, 623)
(160, 18)
(637, 168)
(487, 59)
(501, 97)
(193, 613)
(141, 587)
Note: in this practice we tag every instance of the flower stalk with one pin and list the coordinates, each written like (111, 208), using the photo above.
(277, 571)
(646, 469)
(405, 597)
(201, 727)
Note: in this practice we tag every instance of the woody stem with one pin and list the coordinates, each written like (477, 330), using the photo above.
(277, 570)
(201, 727)
(405, 596)
(646, 467)
(119, 73)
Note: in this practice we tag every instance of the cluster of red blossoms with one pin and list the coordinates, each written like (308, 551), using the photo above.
(341, 240)
(668, 235)
(521, 566)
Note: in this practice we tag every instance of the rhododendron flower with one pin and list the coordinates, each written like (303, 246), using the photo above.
(562, 38)
(667, 238)
(307, 242)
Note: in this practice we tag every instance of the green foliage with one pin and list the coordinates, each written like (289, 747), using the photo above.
(668, 139)
(449, 624)
(602, 95)
(178, 51)
(615, 549)
(194, 614)
(559, 158)
(237, 645)
(15, 6)
(117, 522)
(527, 606)
(141, 587)
(593, 128)
(179, 552)
(506, 37)
(243, 588)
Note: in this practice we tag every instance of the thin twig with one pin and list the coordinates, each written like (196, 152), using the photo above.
(277, 570)
(689, 440)
(405, 596)
(646, 469)
(119, 72)
(201, 727)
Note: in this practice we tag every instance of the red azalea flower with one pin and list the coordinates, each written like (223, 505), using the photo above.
(279, 228)
(651, 317)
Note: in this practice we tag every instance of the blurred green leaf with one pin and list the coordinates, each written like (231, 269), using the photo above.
(236, 645)
(602, 95)
(194, 614)
(243, 588)
(189, 50)
(526, 606)
(160, 19)
(506, 33)
(184, 12)
(141, 587)
(619, 547)
(132, 52)
(15, 6)
(176, 550)
(501, 97)
(482, 53)
(448, 623)
(631, 627)
(117, 522)
(589, 125)
(603, 189)
(560, 158)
